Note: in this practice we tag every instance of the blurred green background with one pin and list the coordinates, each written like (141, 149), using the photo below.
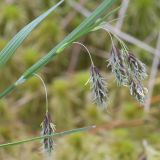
(121, 129)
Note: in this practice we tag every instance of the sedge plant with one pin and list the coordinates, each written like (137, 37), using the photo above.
(128, 70)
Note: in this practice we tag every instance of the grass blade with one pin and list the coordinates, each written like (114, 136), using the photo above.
(52, 135)
(74, 35)
(81, 30)
(17, 40)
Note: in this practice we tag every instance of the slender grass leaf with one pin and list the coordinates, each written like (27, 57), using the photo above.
(77, 130)
(86, 26)
(17, 40)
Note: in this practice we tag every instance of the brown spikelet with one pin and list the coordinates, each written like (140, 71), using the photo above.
(98, 86)
(129, 71)
(138, 90)
(137, 67)
(118, 66)
(48, 128)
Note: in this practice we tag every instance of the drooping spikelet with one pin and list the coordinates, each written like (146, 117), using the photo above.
(98, 86)
(117, 63)
(137, 67)
(48, 128)
(138, 90)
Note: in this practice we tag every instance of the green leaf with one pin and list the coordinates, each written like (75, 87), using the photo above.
(85, 27)
(17, 40)
(46, 136)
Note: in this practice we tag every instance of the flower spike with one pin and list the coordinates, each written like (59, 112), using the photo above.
(98, 86)
(138, 90)
(48, 128)
(117, 64)
(137, 67)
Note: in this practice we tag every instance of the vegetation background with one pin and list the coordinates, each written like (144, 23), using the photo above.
(124, 131)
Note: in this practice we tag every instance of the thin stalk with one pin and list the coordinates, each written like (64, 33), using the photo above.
(45, 89)
(120, 41)
(116, 19)
(77, 33)
(46, 136)
(103, 19)
(87, 52)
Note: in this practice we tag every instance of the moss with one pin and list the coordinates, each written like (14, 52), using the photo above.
(12, 12)
(130, 111)
(30, 56)
(124, 150)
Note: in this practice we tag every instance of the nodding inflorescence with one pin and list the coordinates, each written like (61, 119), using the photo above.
(118, 66)
(98, 87)
(137, 67)
(129, 71)
(138, 90)
(97, 82)
(48, 128)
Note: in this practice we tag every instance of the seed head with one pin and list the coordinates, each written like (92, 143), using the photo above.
(138, 90)
(98, 86)
(118, 66)
(137, 67)
(48, 128)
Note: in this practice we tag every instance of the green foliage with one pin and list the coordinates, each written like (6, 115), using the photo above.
(70, 102)
(16, 41)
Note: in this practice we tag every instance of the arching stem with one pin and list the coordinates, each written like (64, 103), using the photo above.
(87, 51)
(45, 89)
